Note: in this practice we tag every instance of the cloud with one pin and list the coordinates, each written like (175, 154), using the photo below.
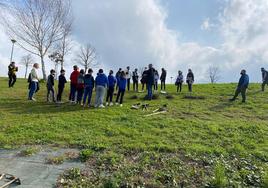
(135, 33)
(206, 25)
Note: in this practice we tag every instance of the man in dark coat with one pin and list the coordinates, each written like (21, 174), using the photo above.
(264, 78)
(150, 81)
(242, 86)
(163, 79)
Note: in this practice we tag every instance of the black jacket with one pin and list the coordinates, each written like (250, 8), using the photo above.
(62, 81)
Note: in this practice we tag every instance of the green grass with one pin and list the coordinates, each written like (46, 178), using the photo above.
(183, 146)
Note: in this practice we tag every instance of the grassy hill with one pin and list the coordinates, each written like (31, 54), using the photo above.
(203, 142)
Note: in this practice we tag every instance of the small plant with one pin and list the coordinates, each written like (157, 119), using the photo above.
(219, 180)
(85, 154)
(28, 152)
(55, 160)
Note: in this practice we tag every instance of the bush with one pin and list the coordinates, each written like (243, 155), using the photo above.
(85, 154)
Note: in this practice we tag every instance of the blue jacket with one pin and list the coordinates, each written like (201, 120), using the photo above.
(122, 83)
(89, 81)
(101, 80)
(243, 81)
(111, 81)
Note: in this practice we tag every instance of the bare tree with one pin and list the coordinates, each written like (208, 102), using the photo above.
(36, 24)
(64, 46)
(27, 61)
(87, 56)
(214, 74)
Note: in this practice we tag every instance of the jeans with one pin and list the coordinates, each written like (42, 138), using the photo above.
(241, 90)
(87, 94)
(179, 86)
(135, 85)
(50, 89)
(80, 92)
(12, 80)
(33, 87)
(163, 85)
(60, 91)
(150, 91)
(110, 94)
(156, 85)
(190, 87)
(120, 94)
(100, 92)
(73, 92)
(128, 84)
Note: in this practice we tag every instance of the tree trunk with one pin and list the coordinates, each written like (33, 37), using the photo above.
(43, 68)
(26, 71)
(61, 65)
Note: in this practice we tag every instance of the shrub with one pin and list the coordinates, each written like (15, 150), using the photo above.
(85, 154)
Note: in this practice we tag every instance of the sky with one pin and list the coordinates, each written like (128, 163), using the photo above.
(174, 34)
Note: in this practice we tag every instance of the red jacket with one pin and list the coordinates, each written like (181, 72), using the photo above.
(74, 77)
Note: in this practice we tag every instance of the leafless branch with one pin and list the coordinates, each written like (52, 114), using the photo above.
(36, 24)
(87, 56)
(214, 74)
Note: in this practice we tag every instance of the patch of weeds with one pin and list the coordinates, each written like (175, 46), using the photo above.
(85, 154)
(55, 160)
(71, 155)
(28, 152)
(219, 179)
(110, 159)
(73, 178)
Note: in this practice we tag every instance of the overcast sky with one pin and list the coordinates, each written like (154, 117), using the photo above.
(174, 34)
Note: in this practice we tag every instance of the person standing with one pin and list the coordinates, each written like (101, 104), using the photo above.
(80, 86)
(111, 84)
(242, 86)
(50, 86)
(34, 79)
(73, 87)
(122, 89)
(117, 76)
(144, 78)
(128, 76)
(135, 79)
(179, 81)
(61, 85)
(190, 80)
(150, 73)
(12, 69)
(89, 86)
(156, 78)
(163, 79)
(101, 85)
(264, 78)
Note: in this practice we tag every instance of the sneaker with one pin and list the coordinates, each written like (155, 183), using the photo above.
(101, 106)
(107, 104)
(121, 105)
(111, 103)
(33, 99)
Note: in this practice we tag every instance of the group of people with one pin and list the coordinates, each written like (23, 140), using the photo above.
(83, 83)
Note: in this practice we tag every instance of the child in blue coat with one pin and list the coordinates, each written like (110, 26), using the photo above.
(122, 88)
